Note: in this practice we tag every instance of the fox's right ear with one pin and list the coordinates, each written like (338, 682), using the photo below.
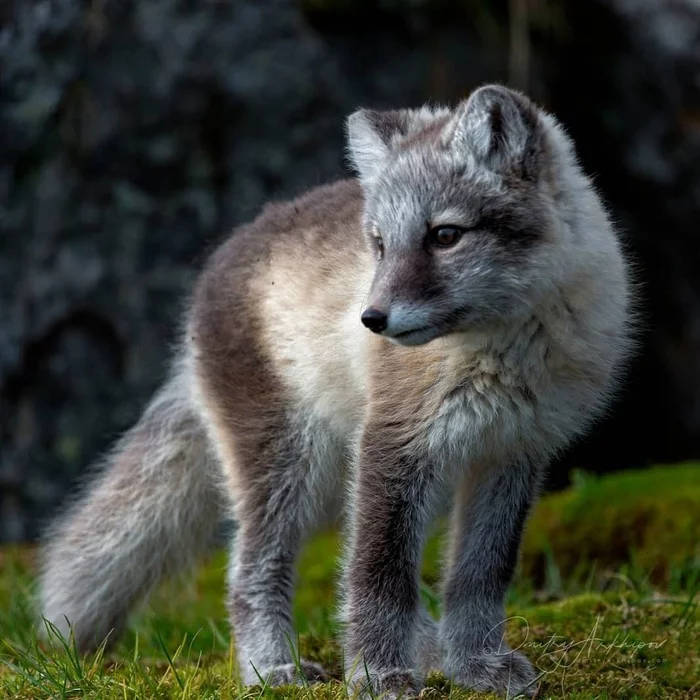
(372, 135)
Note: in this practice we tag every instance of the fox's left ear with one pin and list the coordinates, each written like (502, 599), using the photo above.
(500, 129)
(373, 135)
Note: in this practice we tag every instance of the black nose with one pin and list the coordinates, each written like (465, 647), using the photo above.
(374, 319)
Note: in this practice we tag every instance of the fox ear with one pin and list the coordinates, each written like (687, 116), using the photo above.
(373, 135)
(501, 129)
(370, 136)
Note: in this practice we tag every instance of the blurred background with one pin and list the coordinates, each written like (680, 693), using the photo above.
(134, 134)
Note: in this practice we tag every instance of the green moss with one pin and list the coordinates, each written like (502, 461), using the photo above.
(636, 643)
(635, 524)
(645, 520)
(588, 646)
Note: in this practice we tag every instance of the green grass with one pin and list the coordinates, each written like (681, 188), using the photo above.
(624, 635)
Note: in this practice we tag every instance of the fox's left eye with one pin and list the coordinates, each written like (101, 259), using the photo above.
(445, 236)
(379, 245)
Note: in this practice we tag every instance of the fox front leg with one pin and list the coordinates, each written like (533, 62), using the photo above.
(382, 609)
(489, 515)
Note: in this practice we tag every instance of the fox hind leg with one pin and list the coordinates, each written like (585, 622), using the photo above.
(283, 481)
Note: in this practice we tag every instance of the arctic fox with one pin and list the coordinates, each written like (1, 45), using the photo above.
(427, 335)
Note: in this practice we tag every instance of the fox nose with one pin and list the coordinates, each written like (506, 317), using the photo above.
(374, 319)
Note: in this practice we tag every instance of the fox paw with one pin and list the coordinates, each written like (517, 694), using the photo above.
(509, 674)
(390, 685)
(295, 674)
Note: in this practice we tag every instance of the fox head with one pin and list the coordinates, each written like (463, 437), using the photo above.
(463, 211)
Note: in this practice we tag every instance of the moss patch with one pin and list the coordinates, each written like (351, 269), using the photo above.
(587, 646)
(645, 520)
(634, 642)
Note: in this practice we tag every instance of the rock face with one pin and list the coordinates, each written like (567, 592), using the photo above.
(633, 106)
(135, 134)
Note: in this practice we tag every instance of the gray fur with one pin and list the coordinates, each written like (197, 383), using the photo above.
(497, 353)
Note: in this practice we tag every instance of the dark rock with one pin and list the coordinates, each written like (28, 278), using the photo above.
(135, 134)
(632, 102)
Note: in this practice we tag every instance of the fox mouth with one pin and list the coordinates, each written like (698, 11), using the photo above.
(414, 336)
(420, 329)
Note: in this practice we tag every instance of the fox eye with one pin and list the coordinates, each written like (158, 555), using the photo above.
(445, 236)
(379, 243)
